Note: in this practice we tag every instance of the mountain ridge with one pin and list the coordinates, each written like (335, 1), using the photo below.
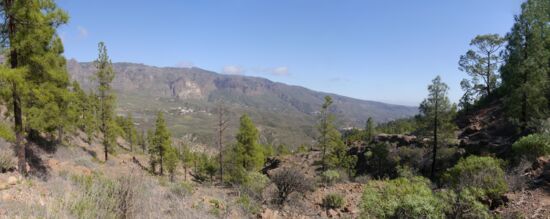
(189, 95)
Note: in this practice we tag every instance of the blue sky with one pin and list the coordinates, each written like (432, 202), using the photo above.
(384, 50)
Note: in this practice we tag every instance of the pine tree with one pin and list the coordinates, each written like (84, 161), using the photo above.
(248, 153)
(106, 98)
(36, 75)
(369, 130)
(526, 72)
(83, 108)
(482, 63)
(436, 114)
(152, 150)
(329, 136)
(171, 161)
(186, 157)
(467, 99)
(161, 142)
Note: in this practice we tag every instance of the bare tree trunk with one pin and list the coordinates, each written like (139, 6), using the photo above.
(160, 160)
(222, 125)
(105, 140)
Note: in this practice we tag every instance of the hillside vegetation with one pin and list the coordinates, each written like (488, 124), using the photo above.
(189, 96)
(104, 148)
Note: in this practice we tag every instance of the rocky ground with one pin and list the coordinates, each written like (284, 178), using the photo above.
(47, 193)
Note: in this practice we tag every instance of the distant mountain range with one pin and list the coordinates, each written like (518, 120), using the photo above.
(283, 113)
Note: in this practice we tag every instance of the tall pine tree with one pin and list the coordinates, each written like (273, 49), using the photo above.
(104, 76)
(329, 137)
(482, 62)
(436, 114)
(36, 77)
(526, 72)
(161, 142)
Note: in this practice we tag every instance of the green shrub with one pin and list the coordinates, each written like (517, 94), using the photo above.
(483, 173)
(6, 133)
(217, 207)
(532, 146)
(400, 198)
(333, 201)
(255, 182)
(249, 205)
(302, 149)
(465, 204)
(330, 176)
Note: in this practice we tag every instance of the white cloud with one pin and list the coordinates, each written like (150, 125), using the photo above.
(280, 71)
(82, 32)
(185, 64)
(233, 70)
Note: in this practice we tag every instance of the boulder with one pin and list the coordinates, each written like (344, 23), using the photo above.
(12, 180)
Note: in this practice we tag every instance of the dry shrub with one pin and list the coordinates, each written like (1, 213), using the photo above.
(516, 176)
(101, 197)
(288, 181)
(7, 162)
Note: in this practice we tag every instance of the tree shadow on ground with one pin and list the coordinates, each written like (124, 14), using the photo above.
(89, 152)
(47, 145)
(37, 166)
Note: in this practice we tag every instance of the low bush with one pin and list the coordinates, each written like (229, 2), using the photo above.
(329, 177)
(532, 146)
(333, 201)
(400, 198)
(253, 184)
(249, 205)
(7, 162)
(484, 173)
(182, 189)
(102, 197)
(217, 207)
(465, 204)
(288, 181)
(6, 132)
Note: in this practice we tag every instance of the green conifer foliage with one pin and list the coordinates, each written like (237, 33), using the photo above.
(106, 98)
(436, 115)
(329, 137)
(369, 130)
(248, 152)
(161, 142)
(526, 72)
(35, 77)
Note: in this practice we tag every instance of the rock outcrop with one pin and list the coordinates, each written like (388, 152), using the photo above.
(486, 130)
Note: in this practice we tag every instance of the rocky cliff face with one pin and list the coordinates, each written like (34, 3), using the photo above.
(277, 108)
